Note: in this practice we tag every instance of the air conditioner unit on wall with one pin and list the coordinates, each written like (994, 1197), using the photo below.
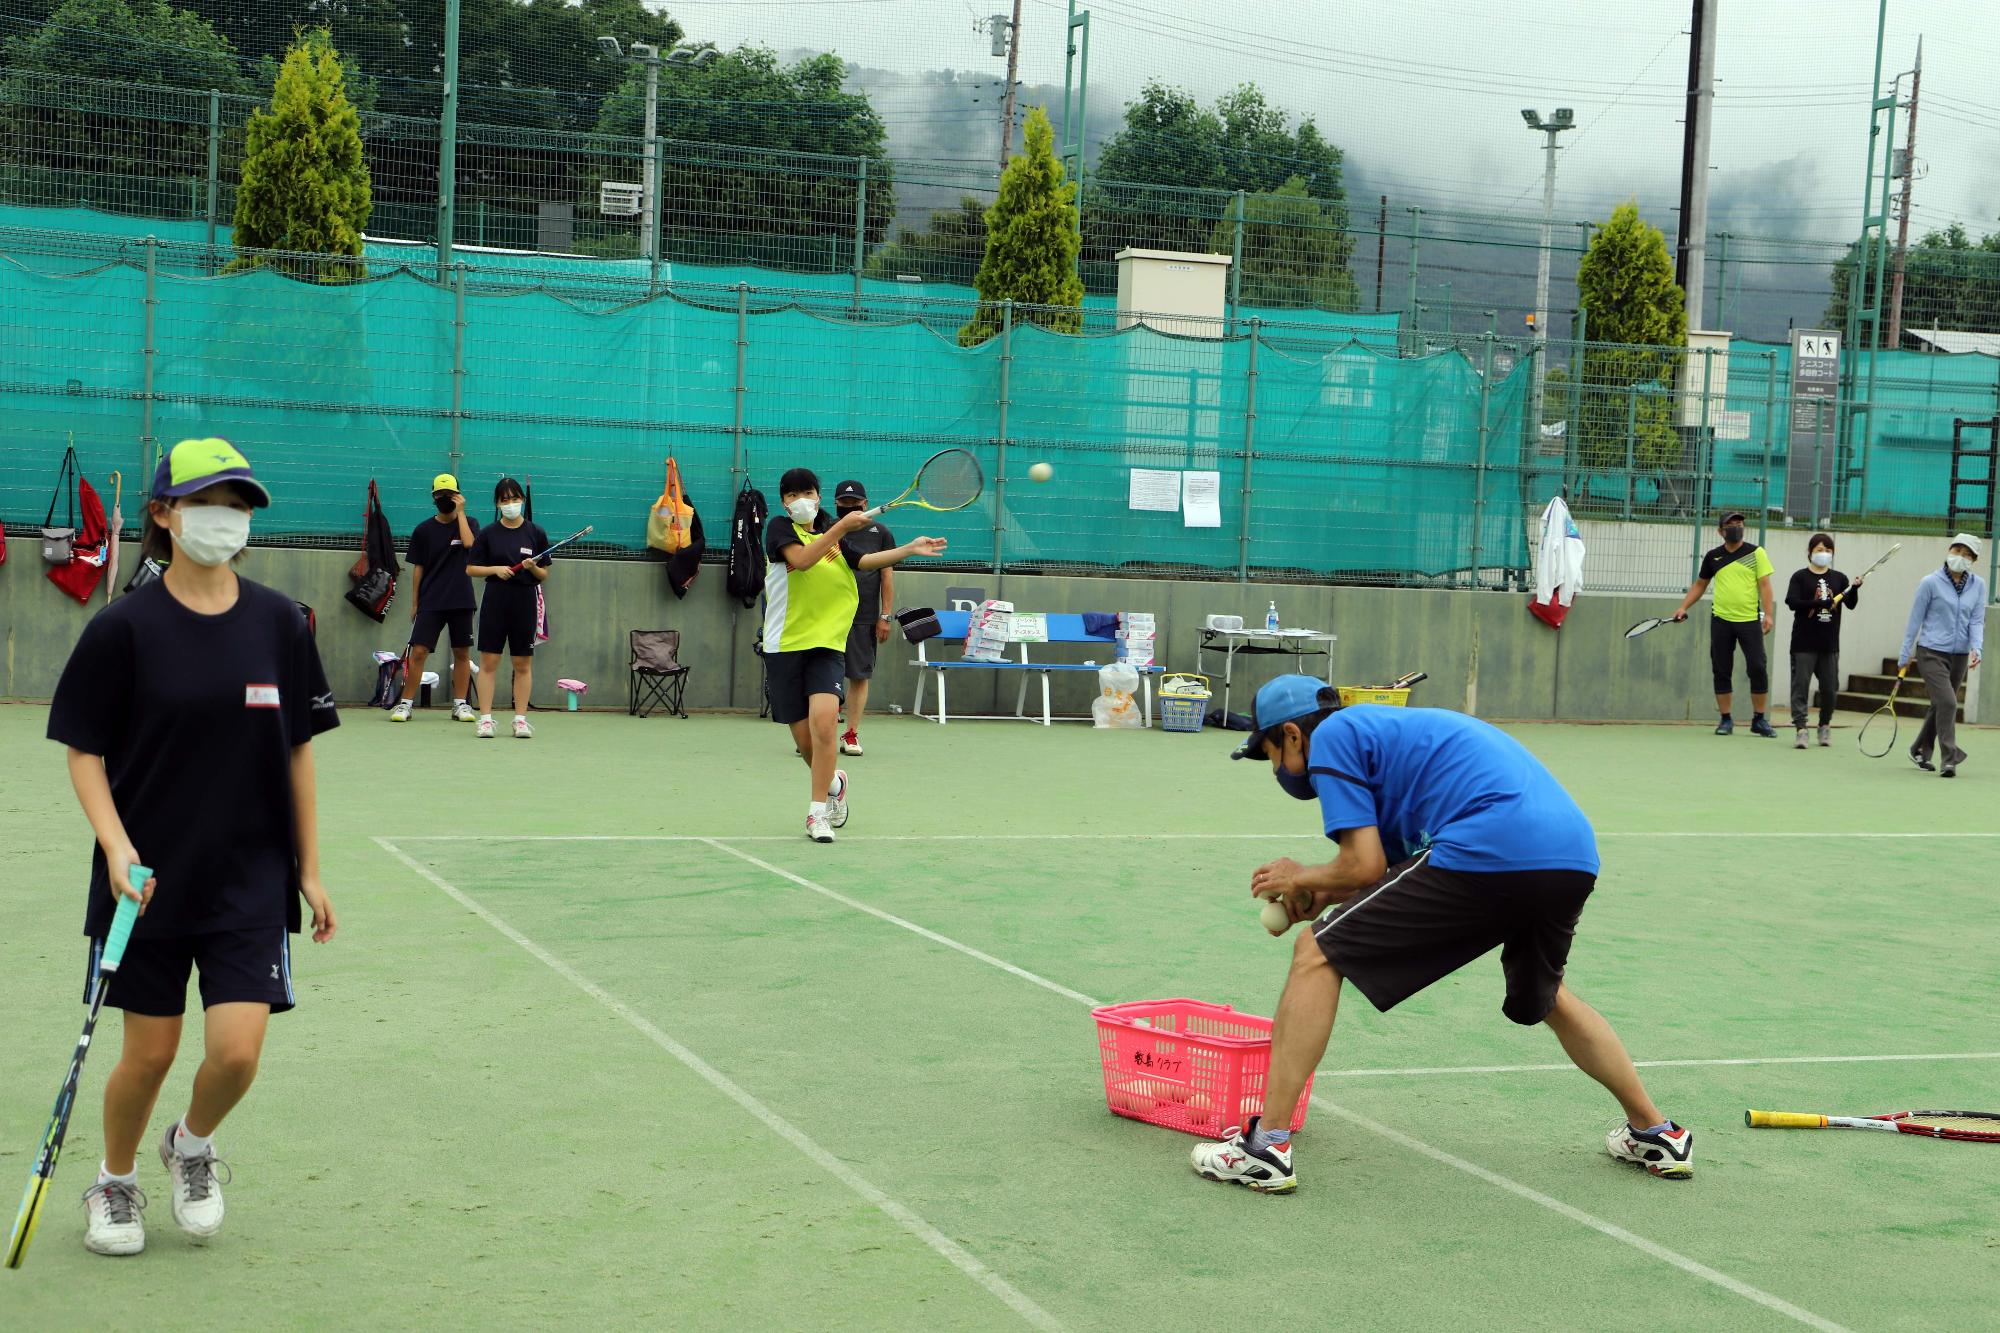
(620, 199)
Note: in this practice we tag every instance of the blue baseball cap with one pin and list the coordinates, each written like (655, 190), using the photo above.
(1284, 699)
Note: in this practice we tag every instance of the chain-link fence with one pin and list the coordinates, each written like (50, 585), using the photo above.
(1229, 448)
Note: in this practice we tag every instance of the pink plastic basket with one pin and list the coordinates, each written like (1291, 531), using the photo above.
(1181, 1064)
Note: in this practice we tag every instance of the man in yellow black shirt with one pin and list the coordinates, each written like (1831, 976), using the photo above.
(1742, 616)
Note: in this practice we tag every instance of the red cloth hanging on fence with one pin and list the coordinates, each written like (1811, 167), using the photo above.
(79, 578)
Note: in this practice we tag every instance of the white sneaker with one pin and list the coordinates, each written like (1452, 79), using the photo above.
(462, 712)
(1267, 1170)
(401, 712)
(836, 799)
(114, 1225)
(522, 731)
(1668, 1154)
(819, 828)
(850, 744)
(485, 728)
(197, 1194)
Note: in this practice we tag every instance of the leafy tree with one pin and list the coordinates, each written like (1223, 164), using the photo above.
(68, 117)
(774, 180)
(1031, 243)
(1950, 281)
(949, 249)
(1638, 316)
(1159, 178)
(1292, 256)
(305, 185)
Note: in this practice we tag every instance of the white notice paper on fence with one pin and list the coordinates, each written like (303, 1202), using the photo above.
(1155, 491)
(1201, 499)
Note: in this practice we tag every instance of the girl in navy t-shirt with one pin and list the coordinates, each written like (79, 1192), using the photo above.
(507, 611)
(189, 709)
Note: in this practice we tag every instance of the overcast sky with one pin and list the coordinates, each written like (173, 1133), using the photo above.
(1425, 96)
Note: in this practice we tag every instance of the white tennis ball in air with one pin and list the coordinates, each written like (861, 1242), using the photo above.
(1041, 472)
(1275, 918)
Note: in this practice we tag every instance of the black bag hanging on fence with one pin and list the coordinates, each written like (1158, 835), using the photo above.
(374, 574)
(59, 544)
(746, 546)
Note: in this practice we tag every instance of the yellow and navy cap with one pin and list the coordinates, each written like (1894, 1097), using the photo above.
(444, 482)
(194, 465)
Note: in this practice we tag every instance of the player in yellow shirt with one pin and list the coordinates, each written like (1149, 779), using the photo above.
(1742, 615)
(809, 602)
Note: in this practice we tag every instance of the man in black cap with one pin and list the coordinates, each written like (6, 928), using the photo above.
(872, 616)
(1741, 616)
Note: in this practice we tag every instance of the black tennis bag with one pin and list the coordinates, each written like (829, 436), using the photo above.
(746, 546)
(374, 574)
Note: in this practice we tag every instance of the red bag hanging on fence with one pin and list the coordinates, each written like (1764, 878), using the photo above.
(92, 544)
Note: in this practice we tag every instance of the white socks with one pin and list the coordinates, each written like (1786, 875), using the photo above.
(186, 1144)
(815, 809)
(105, 1173)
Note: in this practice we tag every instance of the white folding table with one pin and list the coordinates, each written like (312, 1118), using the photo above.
(1299, 644)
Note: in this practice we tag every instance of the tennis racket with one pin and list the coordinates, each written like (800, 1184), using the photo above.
(540, 556)
(52, 1141)
(1651, 623)
(1877, 739)
(1840, 602)
(1966, 1126)
(949, 480)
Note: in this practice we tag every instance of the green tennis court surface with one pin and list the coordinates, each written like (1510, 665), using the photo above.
(652, 1058)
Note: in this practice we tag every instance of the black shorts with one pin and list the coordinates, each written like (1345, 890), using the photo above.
(507, 624)
(428, 625)
(792, 679)
(1421, 923)
(861, 650)
(236, 966)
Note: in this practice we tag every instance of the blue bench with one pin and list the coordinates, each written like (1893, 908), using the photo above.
(953, 626)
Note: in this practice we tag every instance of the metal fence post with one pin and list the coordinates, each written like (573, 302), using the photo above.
(1235, 269)
(214, 167)
(1770, 413)
(447, 216)
(1249, 455)
(1485, 434)
(1416, 224)
(1000, 437)
(1631, 429)
(738, 467)
(655, 210)
(860, 228)
(1819, 453)
(150, 303)
(457, 364)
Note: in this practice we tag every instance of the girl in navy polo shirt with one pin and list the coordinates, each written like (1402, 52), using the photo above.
(507, 611)
(189, 709)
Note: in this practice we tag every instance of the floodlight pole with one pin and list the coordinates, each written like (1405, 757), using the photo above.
(649, 235)
(1550, 129)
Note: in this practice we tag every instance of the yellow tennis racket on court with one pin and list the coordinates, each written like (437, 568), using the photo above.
(948, 481)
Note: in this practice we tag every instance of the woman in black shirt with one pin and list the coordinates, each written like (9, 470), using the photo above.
(1815, 595)
(500, 555)
(189, 709)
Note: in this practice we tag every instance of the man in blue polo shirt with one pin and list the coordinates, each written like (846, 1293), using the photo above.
(1454, 841)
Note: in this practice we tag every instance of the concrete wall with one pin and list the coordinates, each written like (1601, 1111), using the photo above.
(1484, 652)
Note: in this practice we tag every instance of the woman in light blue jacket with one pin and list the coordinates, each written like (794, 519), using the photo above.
(1947, 629)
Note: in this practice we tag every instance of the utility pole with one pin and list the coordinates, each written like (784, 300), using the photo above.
(1564, 119)
(1691, 255)
(1013, 68)
(1381, 247)
(1909, 175)
(649, 241)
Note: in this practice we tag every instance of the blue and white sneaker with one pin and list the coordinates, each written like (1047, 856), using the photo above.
(1667, 1153)
(1268, 1170)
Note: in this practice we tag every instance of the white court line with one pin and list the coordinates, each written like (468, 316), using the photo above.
(903, 1216)
(1095, 837)
(1663, 1064)
(1514, 1187)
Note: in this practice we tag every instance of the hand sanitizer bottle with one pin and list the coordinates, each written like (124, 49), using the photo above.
(1271, 619)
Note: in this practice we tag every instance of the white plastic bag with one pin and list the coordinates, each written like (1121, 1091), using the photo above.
(1115, 705)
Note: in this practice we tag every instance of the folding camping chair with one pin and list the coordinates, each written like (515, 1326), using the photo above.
(658, 679)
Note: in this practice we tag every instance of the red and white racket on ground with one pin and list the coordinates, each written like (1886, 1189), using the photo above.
(1968, 1126)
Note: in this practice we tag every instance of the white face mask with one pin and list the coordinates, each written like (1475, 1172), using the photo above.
(212, 534)
(511, 509)
(803, 510)
(1821, 559)
(1957, 564)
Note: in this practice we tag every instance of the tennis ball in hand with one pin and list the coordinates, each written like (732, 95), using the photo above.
(1041, 472)
(1275, 918)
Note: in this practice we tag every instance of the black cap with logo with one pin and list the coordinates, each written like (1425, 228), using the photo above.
(850, 490)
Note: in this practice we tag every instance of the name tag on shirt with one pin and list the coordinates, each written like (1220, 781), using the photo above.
(260, 696)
